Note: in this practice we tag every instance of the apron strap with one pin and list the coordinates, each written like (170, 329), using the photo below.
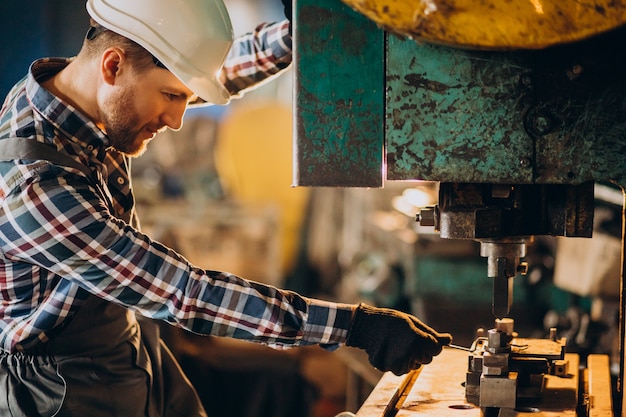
(30, 149)
(18, 148)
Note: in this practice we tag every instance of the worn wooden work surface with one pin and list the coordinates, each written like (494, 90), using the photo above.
(438, 391)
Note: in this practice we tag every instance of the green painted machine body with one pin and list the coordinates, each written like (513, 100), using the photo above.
(370, 106)
(339, 87)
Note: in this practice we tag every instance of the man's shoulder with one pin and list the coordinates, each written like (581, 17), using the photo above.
(16, 115)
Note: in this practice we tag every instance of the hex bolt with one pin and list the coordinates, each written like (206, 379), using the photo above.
(525, 163)
(496, 340)
(542, 123)
(426, 216)
(538, 122)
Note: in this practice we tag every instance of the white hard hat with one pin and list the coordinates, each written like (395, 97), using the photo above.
(190, 37)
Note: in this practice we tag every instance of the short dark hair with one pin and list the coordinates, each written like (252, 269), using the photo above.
(99, 38)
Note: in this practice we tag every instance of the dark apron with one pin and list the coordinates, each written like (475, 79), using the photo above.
(103, 364)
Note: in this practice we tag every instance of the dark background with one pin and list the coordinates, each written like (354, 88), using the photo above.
(32, 29)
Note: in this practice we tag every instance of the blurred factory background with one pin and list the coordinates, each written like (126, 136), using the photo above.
(219, 191)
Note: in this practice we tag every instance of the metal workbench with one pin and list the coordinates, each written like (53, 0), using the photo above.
(437, 390)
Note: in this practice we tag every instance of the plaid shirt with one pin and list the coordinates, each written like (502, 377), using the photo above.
(64, 236)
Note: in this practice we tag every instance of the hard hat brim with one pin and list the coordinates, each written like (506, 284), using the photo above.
(211, 91)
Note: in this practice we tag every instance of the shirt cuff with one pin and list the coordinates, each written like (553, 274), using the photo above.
(327, 323)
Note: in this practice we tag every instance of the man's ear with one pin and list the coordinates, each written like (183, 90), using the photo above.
(111, 64)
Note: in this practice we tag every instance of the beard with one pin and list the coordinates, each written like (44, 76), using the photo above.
(120, 121)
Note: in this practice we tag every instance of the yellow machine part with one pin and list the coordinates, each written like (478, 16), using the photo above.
(254, 160)
(495, 24)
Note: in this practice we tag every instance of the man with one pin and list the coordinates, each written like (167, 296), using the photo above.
(75, 270)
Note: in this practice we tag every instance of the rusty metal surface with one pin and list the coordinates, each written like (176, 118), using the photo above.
(449, 117)
(555, 116)
(339, 97)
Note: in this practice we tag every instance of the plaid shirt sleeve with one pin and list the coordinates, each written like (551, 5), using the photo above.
(257, 57)
(58, 233)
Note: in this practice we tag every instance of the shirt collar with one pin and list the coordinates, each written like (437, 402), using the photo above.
(79, 135)
(73, 124)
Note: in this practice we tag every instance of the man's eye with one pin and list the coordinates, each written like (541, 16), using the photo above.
(171, 96)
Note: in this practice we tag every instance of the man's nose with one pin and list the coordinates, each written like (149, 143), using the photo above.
(173, 116)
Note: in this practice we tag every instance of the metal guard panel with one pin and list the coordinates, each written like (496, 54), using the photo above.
(555, 116)
(339, 102)
(449, 116)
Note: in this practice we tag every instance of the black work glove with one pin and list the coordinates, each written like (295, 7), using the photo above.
(394, 341)
(287, 8)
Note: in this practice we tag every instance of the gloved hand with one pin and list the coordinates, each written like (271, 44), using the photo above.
(394, 341)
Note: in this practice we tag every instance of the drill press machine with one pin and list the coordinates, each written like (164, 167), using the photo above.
(516, 108)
